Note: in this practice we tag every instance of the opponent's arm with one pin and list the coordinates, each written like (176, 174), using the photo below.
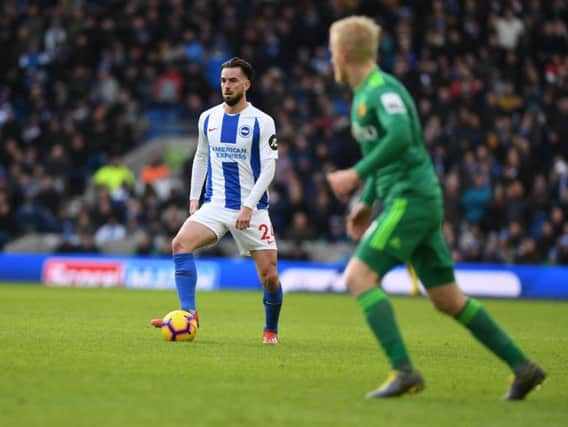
(394, 118)
(360, 215)
(392, 114)
(369, 192)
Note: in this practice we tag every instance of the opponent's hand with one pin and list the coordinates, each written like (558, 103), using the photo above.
(343, 182)
(243, 218)
(359, 220)
(193, 206)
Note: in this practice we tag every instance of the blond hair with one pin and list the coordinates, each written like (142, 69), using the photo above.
(359, 35)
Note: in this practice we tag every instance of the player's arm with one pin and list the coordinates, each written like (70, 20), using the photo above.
(369, 193)
(268, 145)
(360, 215)
(268, 155)
(265, 177)
(199, 168)
(393, 116)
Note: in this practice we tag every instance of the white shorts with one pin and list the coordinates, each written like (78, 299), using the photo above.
(259, 236)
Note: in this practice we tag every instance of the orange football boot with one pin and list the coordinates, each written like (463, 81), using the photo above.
(270, 337)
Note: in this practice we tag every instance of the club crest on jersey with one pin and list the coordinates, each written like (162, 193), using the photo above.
(362, 109)
(273, 142)
(244, 131)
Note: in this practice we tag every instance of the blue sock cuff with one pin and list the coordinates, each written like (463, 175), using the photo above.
(272, 304)
(186, 280)
(274, 297)
(183, 261)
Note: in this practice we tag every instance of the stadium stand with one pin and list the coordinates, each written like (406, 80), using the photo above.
(85, 82)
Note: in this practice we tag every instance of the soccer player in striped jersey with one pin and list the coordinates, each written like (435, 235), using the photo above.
(398, 172)
(235, 159)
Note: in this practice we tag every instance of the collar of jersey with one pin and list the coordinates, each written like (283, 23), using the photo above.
(236, 114)
(365, 82)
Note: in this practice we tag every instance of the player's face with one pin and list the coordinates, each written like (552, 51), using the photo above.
(337, 60)
(234, 84)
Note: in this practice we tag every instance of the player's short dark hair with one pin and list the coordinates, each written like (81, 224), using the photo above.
(237, 62)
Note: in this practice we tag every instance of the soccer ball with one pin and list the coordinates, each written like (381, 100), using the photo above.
(179, 325)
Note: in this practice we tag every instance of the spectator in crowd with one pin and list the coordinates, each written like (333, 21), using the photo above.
(115, 176)
(87, 244)
(145, 246)
(527, 252)
(562, 248)
(110, 231)
(475, 200)
(295, 252)
(156, 174)
(509, 29)
(452, 200)
(299, 229)
(8, 226)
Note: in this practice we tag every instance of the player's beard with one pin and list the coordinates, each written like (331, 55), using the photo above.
(230, 101)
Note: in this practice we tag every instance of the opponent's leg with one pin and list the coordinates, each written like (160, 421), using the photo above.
(434, 266)
(266, 266)
(450, 300)
(363, 283)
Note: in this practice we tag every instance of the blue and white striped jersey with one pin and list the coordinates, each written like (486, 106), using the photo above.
(236, 146)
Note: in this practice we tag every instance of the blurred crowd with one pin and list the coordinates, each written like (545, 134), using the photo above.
(83, 82)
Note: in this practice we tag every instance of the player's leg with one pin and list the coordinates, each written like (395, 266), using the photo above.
(363, 284)
(385, 245)
(259, 242)
(434, 267)
(266, 267)
(201, 229)
(191, 236)
(449, 299)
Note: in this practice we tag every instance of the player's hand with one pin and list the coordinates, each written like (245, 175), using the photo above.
(243, 218)
(193, 206)
(343, 182)
(358, 220)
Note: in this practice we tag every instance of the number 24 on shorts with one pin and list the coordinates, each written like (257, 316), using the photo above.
(267, 233)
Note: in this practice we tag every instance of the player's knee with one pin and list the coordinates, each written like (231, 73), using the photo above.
(446, 306)
(359, 278)
(351, 281)
(356, 284)
(179, 246)
(271, 282)
(448, 299)
(269, 278)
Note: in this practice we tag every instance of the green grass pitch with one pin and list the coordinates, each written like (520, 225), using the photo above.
(88, 357)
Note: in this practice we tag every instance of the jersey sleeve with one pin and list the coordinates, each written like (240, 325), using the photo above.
(199, 168)
(268, 140)
(394, 117)
(369, 192)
